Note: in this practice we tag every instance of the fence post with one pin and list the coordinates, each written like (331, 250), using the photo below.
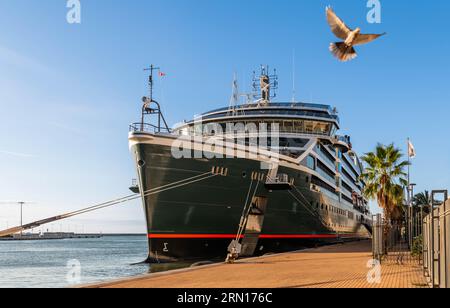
(430, 245)
(438, 275)
(444, 245)
(377, 237)
(425, 247)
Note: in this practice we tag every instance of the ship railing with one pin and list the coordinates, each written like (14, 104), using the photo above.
(269, 112)
(280, 178)
(147, 128)
(280, 182)
(343, 142)
(277, 106)
(343, 139)
(266, 133)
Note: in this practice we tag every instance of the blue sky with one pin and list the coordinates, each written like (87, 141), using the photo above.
(68, 92)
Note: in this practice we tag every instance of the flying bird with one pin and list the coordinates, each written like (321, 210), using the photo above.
(345, 50)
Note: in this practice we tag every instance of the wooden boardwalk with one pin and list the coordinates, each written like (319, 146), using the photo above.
(340, 266)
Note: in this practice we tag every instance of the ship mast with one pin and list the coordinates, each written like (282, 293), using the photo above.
(266, 85)
(151, 106)
(150, 79)
(234, 97)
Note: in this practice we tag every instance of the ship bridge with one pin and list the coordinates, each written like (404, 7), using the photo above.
(259, 109)
(296, 118)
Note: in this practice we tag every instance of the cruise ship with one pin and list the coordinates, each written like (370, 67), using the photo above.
(253, 178)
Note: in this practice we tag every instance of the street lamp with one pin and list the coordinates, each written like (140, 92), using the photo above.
(410, 213)
(21, 204)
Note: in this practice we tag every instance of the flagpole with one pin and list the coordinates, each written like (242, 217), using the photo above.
(409, 192)
(409, 162)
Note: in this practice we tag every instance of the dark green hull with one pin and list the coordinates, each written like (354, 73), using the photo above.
(198, 221)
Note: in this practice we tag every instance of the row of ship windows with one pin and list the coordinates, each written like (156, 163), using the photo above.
(333, 209)
(332, 191)
(348, 176)
(351, 166)
(336, 225)
(326, 154)
(346, 186)
(286, 126)
(347, 199)
(269, 112)
(342, 170)
(325, 109)
(267, 141)
(325, 172)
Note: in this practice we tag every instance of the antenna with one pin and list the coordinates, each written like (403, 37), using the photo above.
(265, 84)
(293, 76)
(234, 96)
(147, 108)
(150, 79)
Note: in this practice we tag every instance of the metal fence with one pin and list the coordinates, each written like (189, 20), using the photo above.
(391, 242)
(436, 245)
(415, 217)
(418, 239)
(377, 237)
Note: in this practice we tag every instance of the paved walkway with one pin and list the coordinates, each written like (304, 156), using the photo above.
(340, 266)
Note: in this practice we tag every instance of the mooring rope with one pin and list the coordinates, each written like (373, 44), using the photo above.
(134, 196)
(317, 215)
(150, 192)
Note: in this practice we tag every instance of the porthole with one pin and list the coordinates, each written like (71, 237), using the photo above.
(141, 163)
(244, 175)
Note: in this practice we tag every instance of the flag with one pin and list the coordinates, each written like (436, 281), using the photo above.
(161, 74)
(411, 150)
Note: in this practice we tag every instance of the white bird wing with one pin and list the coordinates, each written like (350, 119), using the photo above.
(338, 27)
(366, 38)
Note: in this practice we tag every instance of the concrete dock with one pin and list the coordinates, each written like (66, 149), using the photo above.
(340, 266)
(49, 236)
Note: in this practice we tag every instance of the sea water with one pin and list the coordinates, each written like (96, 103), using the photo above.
(66, 263)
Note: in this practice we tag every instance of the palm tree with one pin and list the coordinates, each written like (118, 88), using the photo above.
(385, 179)
(422, 200)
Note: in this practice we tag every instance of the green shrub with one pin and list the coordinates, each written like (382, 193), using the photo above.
(417, 247)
